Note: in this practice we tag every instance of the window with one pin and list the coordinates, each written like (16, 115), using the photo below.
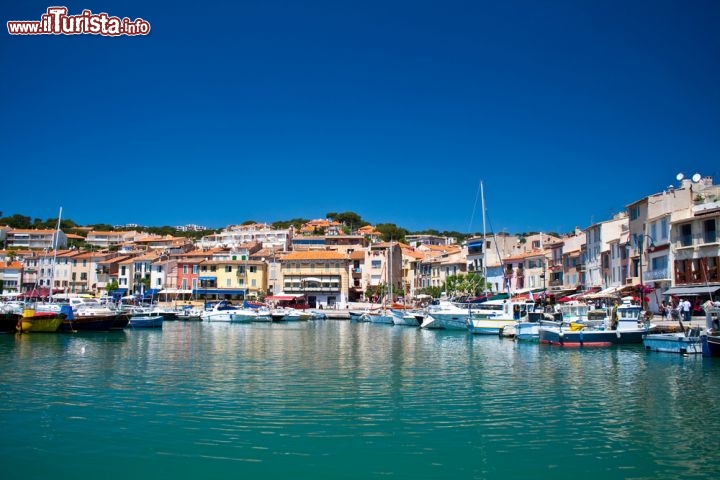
(634, 212)
(664, 229)
(185, 269)
(253, 282)
(228, 268)
(184, 284)
(195, 269)
(709, 231)
(376, 263)
(686, 235)
(228, 283)
(252, 268)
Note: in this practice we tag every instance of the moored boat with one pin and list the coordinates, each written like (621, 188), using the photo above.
(680, 342)
(629, 330)
(146, 321)
(34, 321)
(446, 315)
(407, 318)
(9, 321)
(494, 316)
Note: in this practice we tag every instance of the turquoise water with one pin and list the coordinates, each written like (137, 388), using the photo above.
(335, 399)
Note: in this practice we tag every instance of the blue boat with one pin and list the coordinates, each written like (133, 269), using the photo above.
(146, 321)
(681, 342)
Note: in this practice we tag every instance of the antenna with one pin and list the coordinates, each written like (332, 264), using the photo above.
(679, 177)
(696, 178)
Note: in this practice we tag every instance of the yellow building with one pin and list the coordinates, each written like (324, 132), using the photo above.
(232, 278)
(320, 276)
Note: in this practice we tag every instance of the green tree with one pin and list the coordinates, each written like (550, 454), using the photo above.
(390, 231)
(111, 285)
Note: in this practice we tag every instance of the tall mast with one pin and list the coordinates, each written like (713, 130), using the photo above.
(56, 237)
(484, 264)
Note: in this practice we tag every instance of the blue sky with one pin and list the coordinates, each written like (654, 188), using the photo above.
(396, 110)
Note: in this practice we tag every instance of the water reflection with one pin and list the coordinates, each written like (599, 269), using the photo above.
(354, 400)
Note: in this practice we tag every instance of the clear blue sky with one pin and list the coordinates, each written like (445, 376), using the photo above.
(396, 110)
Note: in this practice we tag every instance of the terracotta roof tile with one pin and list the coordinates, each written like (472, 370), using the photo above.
(316, 255)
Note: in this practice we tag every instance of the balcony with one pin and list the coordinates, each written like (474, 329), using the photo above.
(654, 275)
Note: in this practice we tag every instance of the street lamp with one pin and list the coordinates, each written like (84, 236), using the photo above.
(641, 241)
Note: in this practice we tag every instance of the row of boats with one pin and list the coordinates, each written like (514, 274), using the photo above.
(567, 325)
(83, 317)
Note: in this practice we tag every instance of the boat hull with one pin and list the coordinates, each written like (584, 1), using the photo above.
(593, 338)
(488, 326)
(673, 343)
(149, 321)
(711, 346)
(40, 323)
(9, 322)
(89, 323)
(438, 321)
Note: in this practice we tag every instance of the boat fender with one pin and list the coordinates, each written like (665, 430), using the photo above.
(617, 333)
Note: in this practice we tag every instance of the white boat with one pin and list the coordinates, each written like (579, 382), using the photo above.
(378, 316)
(221, 312)
(529, 329)
(431, 323)
(294, 315)
(405, 317)
(446, 315)
(492, 317)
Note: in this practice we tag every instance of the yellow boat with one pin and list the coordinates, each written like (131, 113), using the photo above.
(32, 321)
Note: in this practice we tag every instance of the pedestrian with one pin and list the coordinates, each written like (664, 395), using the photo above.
(686, 310)
(614, 318)
(663, 310)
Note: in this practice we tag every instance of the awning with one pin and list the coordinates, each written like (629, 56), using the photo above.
(175, 291)
(283, 297)
(697, 290)
(607, 293)
(151, 292)
(311, 279)
(219, 291)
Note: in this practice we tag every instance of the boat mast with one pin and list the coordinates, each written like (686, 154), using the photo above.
(56, 236)
(389, 273)
(484, 259)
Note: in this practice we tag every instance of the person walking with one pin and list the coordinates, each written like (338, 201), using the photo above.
(686, 310)
(663, 310)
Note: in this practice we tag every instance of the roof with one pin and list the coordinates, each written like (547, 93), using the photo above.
(10, 265)
(357, 255)
(316, 255)
(30, 230)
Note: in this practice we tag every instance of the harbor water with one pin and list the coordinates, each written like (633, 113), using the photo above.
(337, 399)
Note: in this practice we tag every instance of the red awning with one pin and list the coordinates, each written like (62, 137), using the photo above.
(283, 297)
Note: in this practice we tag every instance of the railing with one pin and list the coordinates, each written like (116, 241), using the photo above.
(696, 239)
(659, 274)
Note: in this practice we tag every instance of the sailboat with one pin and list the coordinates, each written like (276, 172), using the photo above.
(383, 315)
(51, 318)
